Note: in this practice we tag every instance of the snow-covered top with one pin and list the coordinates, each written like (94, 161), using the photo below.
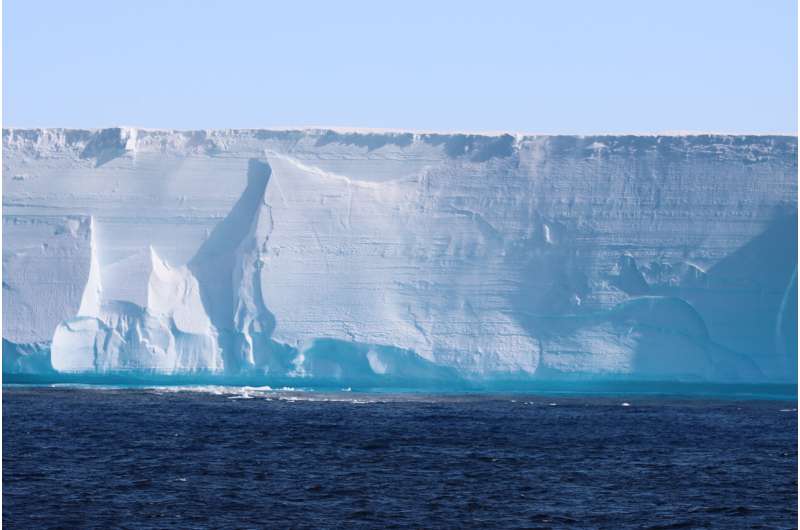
(102, 145)
(322, 129)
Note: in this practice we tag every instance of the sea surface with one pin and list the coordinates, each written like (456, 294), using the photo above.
(223, 457)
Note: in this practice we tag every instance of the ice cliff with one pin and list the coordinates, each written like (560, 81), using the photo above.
(357, 256)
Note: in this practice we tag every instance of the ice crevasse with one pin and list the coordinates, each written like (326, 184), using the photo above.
(359, 256)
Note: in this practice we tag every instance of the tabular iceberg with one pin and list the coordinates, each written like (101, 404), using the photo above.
(359, 256)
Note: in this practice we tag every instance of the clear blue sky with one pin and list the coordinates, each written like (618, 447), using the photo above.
(572, 66)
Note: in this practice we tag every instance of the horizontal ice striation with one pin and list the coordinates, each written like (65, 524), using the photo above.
(406, 257)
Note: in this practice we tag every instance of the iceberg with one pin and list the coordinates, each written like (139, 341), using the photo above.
(405, 257)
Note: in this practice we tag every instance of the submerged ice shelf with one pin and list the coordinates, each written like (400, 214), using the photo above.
(414, 258)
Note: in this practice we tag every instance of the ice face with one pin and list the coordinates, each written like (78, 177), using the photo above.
(417, 257)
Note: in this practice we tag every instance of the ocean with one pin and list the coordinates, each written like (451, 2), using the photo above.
(239, 457)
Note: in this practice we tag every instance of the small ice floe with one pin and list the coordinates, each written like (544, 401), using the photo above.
(348, 389)
(553, 404)
(788, 410)
(626, 404)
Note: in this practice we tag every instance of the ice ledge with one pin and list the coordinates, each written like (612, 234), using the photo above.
(100, 146)
(322, 129)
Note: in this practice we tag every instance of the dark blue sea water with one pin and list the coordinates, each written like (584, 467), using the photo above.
(234, 458)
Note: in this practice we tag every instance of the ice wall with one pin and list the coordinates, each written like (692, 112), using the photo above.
(354, 255)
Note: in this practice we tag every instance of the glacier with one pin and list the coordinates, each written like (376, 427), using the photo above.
(416, 258)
